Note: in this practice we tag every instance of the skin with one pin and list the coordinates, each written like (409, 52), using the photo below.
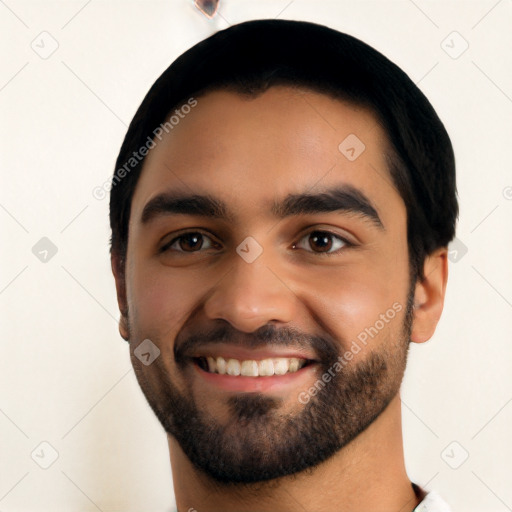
(249, 152)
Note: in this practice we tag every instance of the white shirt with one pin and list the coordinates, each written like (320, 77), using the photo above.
(431, 502)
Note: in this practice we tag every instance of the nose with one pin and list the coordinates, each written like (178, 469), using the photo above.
(251, 295)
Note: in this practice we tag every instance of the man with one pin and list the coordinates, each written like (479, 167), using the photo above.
(280, 213)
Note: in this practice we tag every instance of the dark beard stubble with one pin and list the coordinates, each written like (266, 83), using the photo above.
(260, 444)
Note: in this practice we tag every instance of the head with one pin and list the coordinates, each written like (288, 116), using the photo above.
(282, 188)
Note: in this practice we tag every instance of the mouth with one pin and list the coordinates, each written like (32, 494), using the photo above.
(280, 376)
(251, 367)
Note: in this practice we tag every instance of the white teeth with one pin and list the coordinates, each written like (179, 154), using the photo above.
(294, 365)
(212, 364)
(221, 365)
(249, 369)
(281, 365)
(266, 367)
(233, 367)
(252, 368)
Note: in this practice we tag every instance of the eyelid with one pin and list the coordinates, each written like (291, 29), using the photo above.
(346, 243)
(312, 229)
(178, 235)
(346, 236)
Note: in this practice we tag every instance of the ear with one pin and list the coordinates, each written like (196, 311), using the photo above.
(429, 296)
(118, 269)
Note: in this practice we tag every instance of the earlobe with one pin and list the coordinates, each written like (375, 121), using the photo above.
(429, 296)
(119, 275)
(124, 329)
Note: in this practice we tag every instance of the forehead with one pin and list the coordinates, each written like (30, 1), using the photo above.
(250, 151)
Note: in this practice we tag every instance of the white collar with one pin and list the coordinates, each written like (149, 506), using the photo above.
(432, 502)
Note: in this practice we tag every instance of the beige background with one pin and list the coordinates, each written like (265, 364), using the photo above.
(65, 373)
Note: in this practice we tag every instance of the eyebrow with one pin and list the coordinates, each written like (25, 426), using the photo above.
(344, 198)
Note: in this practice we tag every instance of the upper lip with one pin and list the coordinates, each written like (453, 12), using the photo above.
(228, 351)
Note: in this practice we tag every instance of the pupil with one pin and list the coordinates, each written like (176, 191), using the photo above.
(325, 239)
(191, 240)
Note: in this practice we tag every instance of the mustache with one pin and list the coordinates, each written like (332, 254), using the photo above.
(325, 349)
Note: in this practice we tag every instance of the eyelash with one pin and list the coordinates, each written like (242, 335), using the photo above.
(345, 242)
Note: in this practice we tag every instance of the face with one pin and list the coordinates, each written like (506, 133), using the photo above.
(291, 259)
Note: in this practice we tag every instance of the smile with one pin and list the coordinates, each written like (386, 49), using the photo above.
(250, 367)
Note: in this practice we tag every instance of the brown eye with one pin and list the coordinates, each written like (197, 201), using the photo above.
(193, 241)
(323, 242)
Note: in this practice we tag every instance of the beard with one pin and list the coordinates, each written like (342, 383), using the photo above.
(259, 443)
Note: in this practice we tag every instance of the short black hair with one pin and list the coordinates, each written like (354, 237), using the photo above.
(250, 57)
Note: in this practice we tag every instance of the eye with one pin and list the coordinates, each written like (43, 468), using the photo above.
(323, 240)
(192, 241)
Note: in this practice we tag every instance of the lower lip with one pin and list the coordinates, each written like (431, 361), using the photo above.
(286, 382)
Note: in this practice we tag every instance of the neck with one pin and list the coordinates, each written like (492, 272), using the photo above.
(367, 474)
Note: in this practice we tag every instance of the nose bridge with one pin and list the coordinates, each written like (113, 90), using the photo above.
(251, 294)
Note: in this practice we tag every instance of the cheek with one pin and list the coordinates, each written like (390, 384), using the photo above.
(160, 302)
(366, 307)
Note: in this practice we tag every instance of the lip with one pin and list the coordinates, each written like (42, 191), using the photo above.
(228, 351)
(277, 383)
